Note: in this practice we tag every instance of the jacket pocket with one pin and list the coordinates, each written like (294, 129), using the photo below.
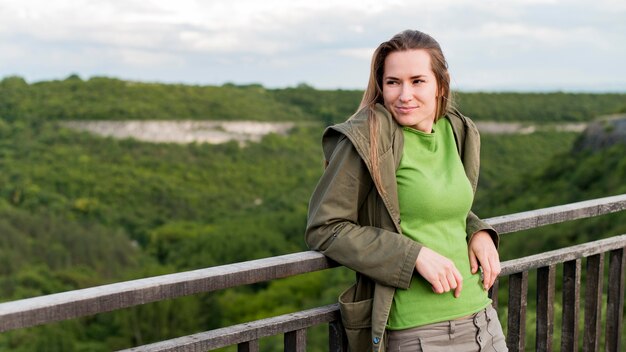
(356, 317)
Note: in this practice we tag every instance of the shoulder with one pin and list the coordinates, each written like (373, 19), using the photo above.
(458, 120)
(462, 126)
(468, 143)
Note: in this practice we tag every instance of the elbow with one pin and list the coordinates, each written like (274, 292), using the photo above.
(314, 237)
(320, 237)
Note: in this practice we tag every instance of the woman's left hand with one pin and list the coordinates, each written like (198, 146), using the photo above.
(483, 251)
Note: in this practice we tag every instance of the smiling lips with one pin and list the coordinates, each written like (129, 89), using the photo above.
(405, 109)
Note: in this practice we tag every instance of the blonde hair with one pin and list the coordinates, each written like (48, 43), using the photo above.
(406, 40)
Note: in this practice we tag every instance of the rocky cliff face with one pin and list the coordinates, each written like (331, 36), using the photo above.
(602, 134)
(183, 131)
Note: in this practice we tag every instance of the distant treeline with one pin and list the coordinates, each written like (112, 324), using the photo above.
(102, 98)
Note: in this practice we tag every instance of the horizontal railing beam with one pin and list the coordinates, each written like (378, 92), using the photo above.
(561, 213)
(245, 332)
(562, 255)
(89, 301)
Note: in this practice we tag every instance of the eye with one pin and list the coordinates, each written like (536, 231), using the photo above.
(418, 81)
(391, 82)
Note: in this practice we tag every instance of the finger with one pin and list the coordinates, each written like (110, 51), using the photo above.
(473, 262)
(445, 284)
(489, 274)
(437, 288)
(459, 281)
(452, 281)
(497, 269)
(495, 265)
(486, 273)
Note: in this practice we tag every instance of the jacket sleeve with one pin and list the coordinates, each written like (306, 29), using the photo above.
(475, 224)
(333, 227)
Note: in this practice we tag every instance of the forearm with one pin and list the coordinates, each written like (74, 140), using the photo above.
(386, 257)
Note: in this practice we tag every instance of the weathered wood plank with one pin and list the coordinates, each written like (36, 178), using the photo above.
(249, 346)
(571, 305)
(295, 341)
(546, 277)
(562, 255)
(337, 339)
(615, 300)
(72, 304)
(249, 331)
(552, 215)
(593, 302)
(516, 331)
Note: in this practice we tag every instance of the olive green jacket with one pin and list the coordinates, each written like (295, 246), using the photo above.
(353, 222)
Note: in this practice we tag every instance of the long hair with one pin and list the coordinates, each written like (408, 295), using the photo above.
(406, 40)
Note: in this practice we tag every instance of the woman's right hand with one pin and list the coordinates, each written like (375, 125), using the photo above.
(439, 271)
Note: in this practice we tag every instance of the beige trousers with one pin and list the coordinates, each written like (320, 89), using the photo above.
(478, 332)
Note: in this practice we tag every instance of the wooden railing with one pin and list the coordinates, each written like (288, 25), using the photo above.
(73, 304)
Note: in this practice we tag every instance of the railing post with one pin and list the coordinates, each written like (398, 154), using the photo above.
(571, 305)
(593, 302)
(545, 308)
(493, 293)
(615, 300)
(248, 346)
(295, 341)
(518, 288)
(337, 339)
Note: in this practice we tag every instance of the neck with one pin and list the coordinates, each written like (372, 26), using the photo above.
(424, 126)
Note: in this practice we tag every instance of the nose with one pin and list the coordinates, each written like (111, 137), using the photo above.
(405, 93)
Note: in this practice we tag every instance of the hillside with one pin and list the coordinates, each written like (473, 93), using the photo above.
(80, 210)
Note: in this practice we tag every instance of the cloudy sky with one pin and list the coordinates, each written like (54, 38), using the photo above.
(572, 45)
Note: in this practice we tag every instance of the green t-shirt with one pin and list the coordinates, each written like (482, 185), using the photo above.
(435, 197)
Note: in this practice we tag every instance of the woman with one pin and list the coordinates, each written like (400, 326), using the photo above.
(394, 205)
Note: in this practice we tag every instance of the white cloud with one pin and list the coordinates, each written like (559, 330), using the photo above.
(142, 58)
(541, 34)
(326, 42)
(357, 53)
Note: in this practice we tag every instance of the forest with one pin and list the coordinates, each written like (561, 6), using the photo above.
(78, 210)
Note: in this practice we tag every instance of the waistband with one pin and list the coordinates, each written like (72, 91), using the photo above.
(479, 318)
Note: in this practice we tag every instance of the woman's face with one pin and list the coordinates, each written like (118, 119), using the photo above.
(410, 89)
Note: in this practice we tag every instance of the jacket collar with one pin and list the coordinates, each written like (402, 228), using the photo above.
(356, 129)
